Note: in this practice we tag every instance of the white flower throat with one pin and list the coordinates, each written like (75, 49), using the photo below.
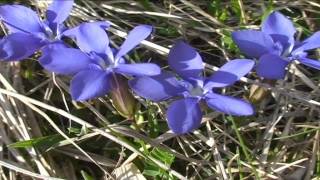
(196, 91)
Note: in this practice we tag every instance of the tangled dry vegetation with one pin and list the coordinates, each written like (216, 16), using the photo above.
(43, 134)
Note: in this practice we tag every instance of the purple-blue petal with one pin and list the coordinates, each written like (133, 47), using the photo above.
(229, 105)
(58, 11)
(134, 38)
(139, 69)
(185, 61)
(89, 84)
(18, 46)
(253, 43)
(271, 66)
(310, 62)
(19, 18)
(90, 37)
(157, 88)
(279, 28)
(229, 73)
(63, 60)
(311, 42)
(184, 115)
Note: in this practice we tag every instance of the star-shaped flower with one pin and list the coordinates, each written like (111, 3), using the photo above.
(184, 114)
(275, 46)
(95, 63)
(28, 33)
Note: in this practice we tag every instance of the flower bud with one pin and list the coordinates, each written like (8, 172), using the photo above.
(122, 99)
(258, 93)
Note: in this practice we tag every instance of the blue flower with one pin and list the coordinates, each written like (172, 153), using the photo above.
(28, 33)
(275, 46)
(95, 63)
(184, 114)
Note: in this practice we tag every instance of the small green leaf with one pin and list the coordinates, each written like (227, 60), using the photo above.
(86, 176)
(73, 130)
(152, 171)
(164, 156)
(223, 15)
(146, 4)
(153, 125)
(168, 31)
(236, 8)
(42, 143)
(268, 10)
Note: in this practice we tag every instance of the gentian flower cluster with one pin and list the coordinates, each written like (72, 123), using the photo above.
(184, 114)
(28, 33)
(275, 46)
(95, 65)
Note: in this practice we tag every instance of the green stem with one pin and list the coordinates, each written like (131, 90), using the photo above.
(243, 146)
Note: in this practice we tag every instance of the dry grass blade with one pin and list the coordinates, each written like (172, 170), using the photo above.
(107, 133)
(16, 168)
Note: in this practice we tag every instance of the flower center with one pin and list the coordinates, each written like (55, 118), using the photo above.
(104, 65)
(286, 52)
(278, 47)
(49, 33)
(196, 91)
